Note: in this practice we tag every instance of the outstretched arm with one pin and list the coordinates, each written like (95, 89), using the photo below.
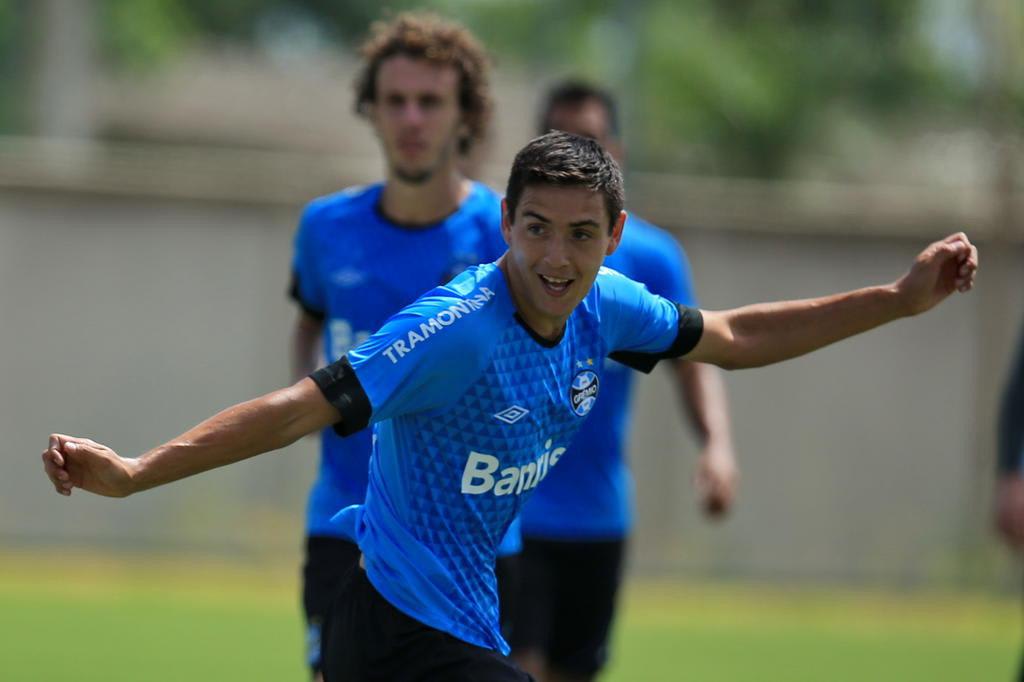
(245, 430)
(766, 333)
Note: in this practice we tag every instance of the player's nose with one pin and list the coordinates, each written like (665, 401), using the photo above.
(412, 114)
(557, 253)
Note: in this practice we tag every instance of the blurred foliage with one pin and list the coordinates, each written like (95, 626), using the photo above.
(733, 86)
(723, 86)
(143, 33)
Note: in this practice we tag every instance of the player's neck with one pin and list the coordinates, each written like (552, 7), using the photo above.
(424, 203)
(544, 326)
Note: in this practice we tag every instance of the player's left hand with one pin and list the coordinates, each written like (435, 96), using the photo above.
(942, 268)
(716, 480)
(1010, 510)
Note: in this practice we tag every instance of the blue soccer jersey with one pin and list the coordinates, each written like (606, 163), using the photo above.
(471, 411)
(590, 497)
(353, 268)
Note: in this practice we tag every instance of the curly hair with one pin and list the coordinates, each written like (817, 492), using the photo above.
(428, 36)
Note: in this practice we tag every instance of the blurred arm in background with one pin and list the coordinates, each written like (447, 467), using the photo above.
(305, 344)
(703, 393)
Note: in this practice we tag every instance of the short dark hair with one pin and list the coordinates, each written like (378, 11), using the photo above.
(438, 41)
(566, 160)
(574, 93)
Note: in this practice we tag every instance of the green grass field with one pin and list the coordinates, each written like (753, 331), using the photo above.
(73, 617)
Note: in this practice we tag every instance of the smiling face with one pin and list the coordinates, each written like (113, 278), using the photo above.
(416, 116)
(558, 237)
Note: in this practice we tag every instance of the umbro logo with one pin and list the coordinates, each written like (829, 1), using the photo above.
(510, 415)
(348, 277)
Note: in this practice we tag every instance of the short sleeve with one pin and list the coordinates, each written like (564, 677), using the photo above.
(419, 360)
(306, 289)
(639, 327)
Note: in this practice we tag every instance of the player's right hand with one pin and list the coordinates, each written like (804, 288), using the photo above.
(716, 480)
(71, 463)
(942, 268)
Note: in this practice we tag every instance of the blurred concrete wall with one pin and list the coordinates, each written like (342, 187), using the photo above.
(130, 319)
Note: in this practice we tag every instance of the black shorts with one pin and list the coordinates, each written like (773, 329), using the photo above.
(328, 561)
(568, 595)
(366, 639)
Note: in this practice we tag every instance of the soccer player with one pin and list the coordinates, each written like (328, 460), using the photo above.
(475, 391)
(1010, 484)
(575, 526)
(364, 253)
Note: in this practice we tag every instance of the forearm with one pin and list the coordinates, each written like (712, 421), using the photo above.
(239, 432)
(703, 393)
(766, 333)
(305, 346)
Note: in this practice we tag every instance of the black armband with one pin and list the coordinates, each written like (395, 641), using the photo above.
(340, 385)
(691, 327)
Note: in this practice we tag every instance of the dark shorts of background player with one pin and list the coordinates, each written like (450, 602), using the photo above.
(328, 562)
(366, 639)
(567, 601)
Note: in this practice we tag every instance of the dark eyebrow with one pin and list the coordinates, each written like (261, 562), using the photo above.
(579, 223)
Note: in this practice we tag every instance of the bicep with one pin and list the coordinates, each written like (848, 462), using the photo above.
(310, 409)
(716, 340)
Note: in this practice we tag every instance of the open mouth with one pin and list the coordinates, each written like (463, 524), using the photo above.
(555, 285)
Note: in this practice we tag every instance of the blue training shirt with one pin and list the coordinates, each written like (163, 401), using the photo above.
(353, 268)
(590, 497)
(471, 410)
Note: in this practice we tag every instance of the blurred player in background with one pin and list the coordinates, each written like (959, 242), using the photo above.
(364, 253)
(1010, 484)
(575, 526)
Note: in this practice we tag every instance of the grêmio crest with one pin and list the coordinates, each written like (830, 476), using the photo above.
(583, 392)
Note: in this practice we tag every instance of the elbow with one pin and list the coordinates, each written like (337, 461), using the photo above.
(734, 353)
(726, 360)
(738, 362)
(739, 353)
(730, 364)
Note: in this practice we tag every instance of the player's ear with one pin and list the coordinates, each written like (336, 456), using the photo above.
(506, 222)
(616, 235)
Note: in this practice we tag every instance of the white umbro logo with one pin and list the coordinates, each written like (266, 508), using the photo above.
(348, 277)
(510, 415)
